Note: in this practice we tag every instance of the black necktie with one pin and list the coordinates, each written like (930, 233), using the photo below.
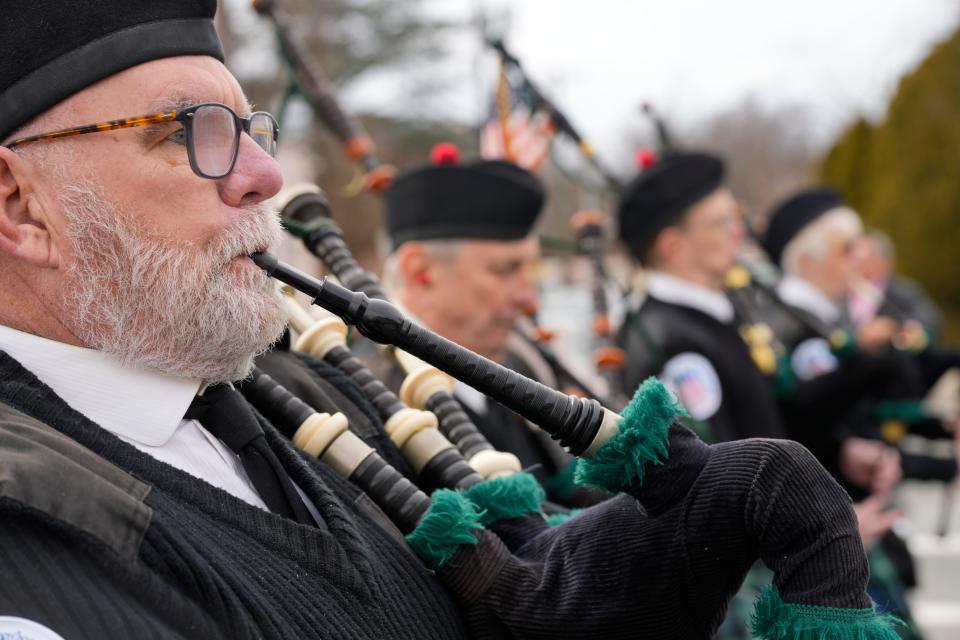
(224, 413)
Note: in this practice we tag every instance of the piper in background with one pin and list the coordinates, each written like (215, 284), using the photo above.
(851, 377)
(462, 262)
(682, 224)
(881, 292)
(841, 374)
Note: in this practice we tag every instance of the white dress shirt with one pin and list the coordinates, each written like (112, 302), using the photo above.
(674, 290)
(800, 293)
(143, 407)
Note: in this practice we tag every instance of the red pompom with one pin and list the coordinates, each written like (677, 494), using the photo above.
(645, 158)
(445, 153)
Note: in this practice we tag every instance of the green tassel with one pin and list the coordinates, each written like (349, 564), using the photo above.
(557, 519)
(507, 497)
(774, 619)
(620, 462)
(447, 525)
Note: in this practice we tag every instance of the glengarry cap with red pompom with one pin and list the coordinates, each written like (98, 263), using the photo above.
(661, 195)
(452, 200)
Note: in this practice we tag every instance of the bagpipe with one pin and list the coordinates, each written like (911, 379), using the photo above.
(608, 358)
(580, 424)
(560, 122)
(414, 431)
(665, 140)
(534, 336)
(317, 88)
(328, 438)
(517, 577)
(588, 236)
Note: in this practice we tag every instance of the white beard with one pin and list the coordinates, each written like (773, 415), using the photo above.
(181, 308)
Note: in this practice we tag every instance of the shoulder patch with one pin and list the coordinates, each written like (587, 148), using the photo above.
(12, 628)
(812, 358)
(692, 378)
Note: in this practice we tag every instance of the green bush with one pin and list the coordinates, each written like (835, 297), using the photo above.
(903, 174)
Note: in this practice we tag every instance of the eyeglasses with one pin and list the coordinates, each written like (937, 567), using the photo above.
(729, 221)
(211, 130)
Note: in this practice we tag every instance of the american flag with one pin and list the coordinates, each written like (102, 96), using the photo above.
(512, 132)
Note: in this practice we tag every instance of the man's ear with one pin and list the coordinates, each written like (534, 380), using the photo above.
(667, 242)
(417, 265)
(24, 216)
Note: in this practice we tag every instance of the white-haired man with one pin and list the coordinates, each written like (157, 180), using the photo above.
(125, 288)
(848, 377)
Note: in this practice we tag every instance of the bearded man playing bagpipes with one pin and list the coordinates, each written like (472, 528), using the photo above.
(141, 496)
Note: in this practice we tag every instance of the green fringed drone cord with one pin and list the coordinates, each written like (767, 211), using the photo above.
(506, 497)
(557, 519)
(621, 462)
(774, 619)
(448, 524)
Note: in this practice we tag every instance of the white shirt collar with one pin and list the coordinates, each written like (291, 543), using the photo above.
(670, 288)
(137, 404)
(800, 293)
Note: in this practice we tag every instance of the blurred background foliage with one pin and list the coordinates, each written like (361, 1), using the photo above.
(903, 175)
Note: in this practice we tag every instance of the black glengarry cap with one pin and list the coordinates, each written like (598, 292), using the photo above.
(792, 215)
(481, 200)
(660, 196)
(52, 49)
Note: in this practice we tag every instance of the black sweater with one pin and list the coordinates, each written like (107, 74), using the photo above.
(98, 539)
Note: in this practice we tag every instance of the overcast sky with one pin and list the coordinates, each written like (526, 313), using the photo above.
(600, 59)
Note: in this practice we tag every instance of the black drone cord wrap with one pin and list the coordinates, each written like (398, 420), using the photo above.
(329, 439)
(608, 358)
(580, 424)
(319, 91)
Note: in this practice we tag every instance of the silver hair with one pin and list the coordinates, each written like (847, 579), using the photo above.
(813, 241)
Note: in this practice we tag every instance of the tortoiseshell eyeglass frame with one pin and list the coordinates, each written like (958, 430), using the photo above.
(266, 139)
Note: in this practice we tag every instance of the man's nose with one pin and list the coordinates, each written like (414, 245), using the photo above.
(525, 294)
(255, 177)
